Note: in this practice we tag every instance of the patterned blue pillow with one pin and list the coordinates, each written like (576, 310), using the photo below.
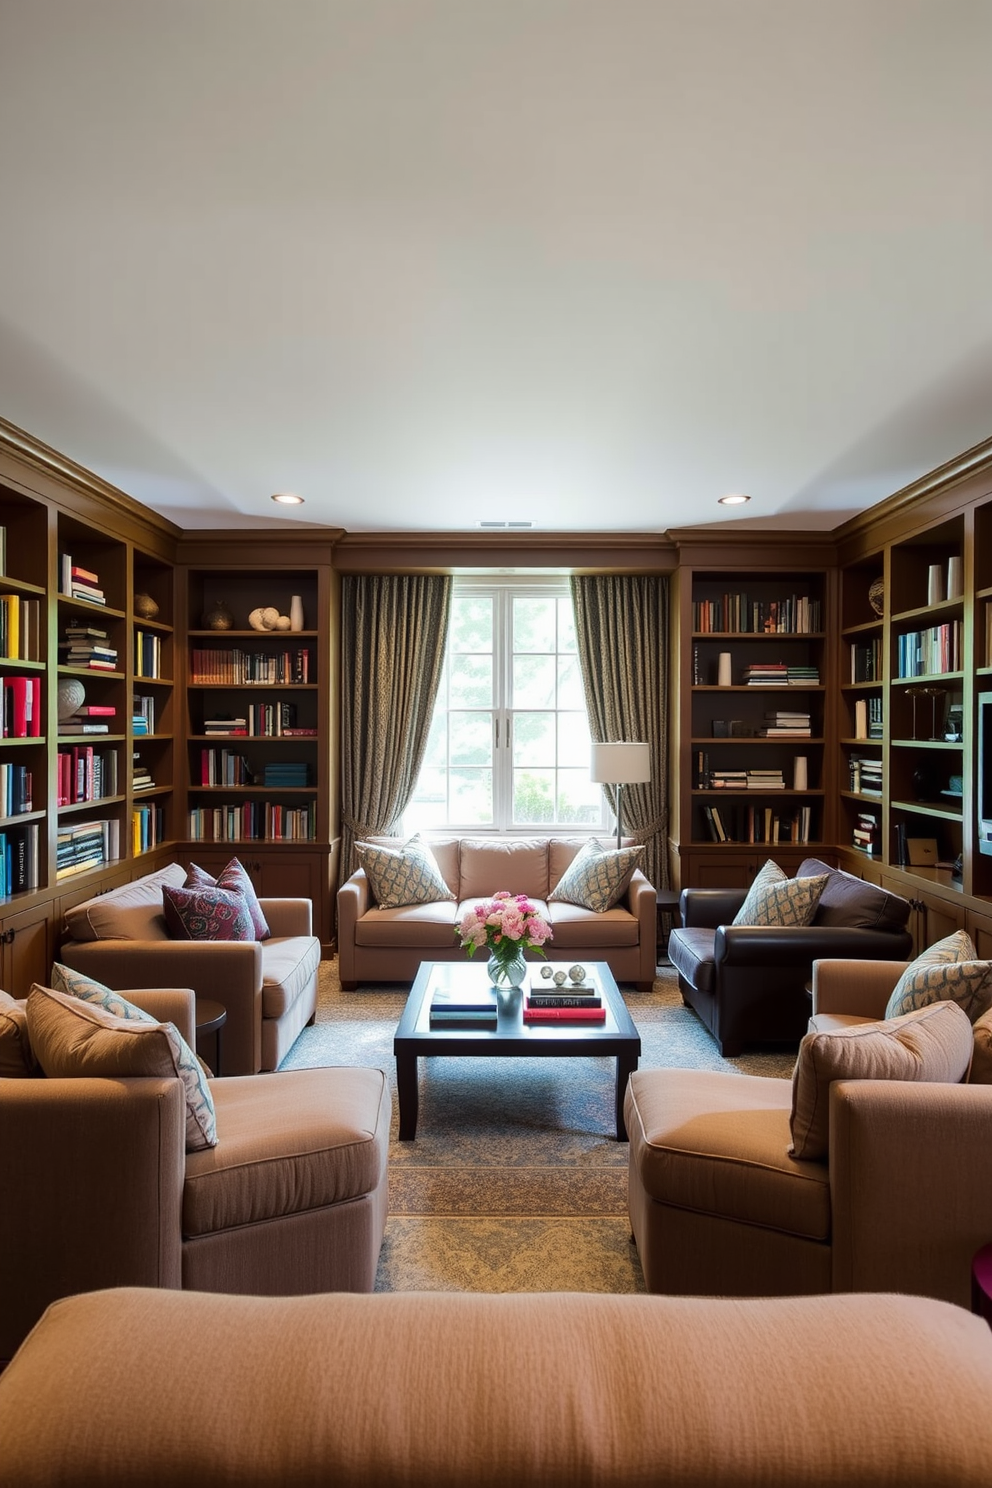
(774, 899)
(597, 876)
(406, 875)
(948, 971)
(64, 979)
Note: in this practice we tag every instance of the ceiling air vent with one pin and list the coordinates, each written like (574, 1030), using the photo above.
(505, 526)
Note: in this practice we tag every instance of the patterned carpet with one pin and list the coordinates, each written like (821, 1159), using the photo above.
(515, 1181)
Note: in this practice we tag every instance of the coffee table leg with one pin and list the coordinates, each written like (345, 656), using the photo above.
(406, 1090)
(626, 1065)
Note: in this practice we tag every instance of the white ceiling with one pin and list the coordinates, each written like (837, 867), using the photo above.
(590, 263)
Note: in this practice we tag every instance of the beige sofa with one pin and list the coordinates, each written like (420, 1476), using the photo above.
(99, 1191)
(901, 1202)
(388, 945)
(440, 1390)
(268, 987)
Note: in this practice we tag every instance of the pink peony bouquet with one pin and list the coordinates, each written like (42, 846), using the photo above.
(508, 924)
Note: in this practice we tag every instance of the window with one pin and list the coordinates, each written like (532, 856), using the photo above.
(509, 741)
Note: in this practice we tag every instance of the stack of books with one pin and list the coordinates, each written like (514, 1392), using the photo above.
(866, 775)
(286, 775)
(785, 724)
(464, 1009)
(80, 583)
(85, 845)
(765, 780)
(569, 1002)
(867, 832)
(86, 646)
(141, 776)
(92, 718)
(804, 676)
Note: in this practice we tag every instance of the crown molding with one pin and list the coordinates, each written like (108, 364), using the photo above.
(938, 486)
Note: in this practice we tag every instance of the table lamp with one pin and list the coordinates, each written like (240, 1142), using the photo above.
(620, 765)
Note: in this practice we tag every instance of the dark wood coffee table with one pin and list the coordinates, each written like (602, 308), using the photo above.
(511, 1038)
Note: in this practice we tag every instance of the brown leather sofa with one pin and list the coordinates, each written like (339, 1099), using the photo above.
(99, 1191)
(387, 945)
(749, 983)
(433, 1390)
(901, 1202)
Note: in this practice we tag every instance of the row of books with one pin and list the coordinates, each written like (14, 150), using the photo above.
(866, 660)
(147, 828)
(758, 824)
(19, 860)
(746, 780)
(211, 666)
(22, 707)
(866, 775)
(20, 628)
(16, 790)
(78, 582)
(84, 845)
(780, 674)
(224, 767)
(868, 718)
(926, 653)
(86, 774)
(147, 654)
(143, 715)
(735, 614)
(253, 821)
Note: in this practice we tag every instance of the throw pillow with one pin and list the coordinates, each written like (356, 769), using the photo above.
(72, 1038)
(75, 984)
(206, 914)
(16, 1060)
(406, 875)
(597, 876)
(774, 899)
(947, 971)
(235, 876)
(933, 1043)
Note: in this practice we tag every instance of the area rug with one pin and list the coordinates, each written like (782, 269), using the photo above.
(515, 1181)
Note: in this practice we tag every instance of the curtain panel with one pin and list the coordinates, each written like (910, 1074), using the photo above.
(394, 628)
(621, 624)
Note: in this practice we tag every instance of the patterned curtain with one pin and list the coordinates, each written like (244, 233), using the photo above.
(393, 633)
(621, 623)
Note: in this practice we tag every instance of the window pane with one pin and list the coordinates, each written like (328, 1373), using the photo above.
(533, 682)
(471, 684)
(471, 627)
(579, 801)
(566, 625)
(472, 797)
(533, 738)
(573, 741)
(471, 738)
(429, 806)
(570, 690)
(534, 623)
(436, 753)
(533, 796)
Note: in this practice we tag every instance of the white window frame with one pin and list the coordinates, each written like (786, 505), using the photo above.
(503, 591)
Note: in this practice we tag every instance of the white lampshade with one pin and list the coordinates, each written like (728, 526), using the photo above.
(620, 764)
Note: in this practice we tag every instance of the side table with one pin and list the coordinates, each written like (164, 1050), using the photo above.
(668, 917)
(210, 1018)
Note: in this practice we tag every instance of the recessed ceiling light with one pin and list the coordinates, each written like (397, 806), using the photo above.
(733, 500)
(286, 498)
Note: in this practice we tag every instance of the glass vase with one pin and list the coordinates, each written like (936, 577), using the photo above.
(509, 972)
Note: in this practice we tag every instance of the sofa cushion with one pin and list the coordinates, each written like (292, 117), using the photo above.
(72, 1038)
(404, 875)
(416, 926)
(16, 1059)
(947, 971)
(717, 1143)
(131, 912)
(690, 950)
(517, 864)
(288, 965)
(931, 1044)
(235, 877)
(597, 877)
(847, 900)
(206, 914)
(774, 899)
(577, 928)
(288, 1142)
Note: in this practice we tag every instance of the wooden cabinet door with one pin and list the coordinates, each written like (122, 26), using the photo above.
(27, 950)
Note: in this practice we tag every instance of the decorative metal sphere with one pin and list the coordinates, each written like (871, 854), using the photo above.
(71, 696)
(560, 979)
(577, 973)
(546, 972)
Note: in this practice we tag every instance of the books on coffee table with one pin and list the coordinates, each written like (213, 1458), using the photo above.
(563, 1014)
(464, 1009)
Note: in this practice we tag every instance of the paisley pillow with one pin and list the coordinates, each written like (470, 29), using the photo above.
(206, 914)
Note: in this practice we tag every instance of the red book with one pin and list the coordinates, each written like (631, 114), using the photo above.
(34, 721)
(96, 710)
(15, 711)
(86, 574)
(565, 1015)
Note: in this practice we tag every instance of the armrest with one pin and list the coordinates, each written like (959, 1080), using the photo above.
(92, 1175)
(168, 1005)
(229, 971)
(800, 945)
(705, 909)
(286, 917)
(354, 899)
(861, 988)
(909, 1185)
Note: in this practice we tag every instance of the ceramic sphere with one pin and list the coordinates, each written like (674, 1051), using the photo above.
(71, 696)
(283, 623)
(145, 607)
(264, 618)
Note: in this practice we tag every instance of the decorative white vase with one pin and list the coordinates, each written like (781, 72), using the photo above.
(296, 613)
(506, 974)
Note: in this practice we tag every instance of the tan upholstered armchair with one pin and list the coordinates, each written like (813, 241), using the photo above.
(901, 1202)
(99, 1191)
